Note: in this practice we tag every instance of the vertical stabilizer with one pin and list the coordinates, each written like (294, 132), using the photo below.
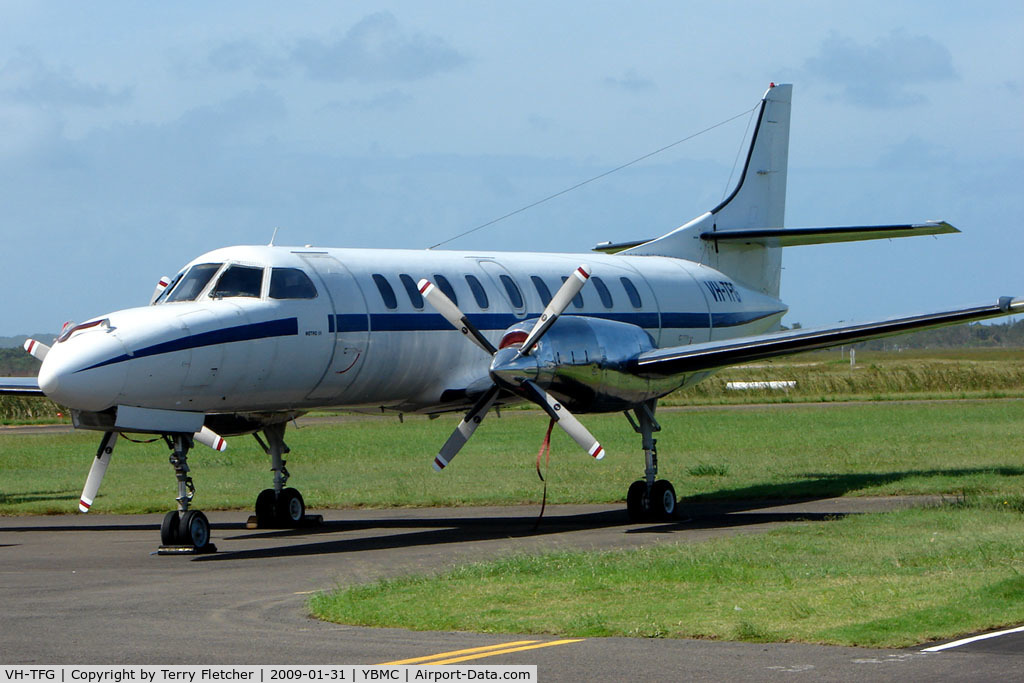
(757, 201)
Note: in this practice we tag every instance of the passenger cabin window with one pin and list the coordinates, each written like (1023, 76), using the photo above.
(386, 293)
(442, 282)
(412, 290)
(291, 283)
(194, 282)
(478, 291)
(542, 289)
(634, 296)
(514, 295)
(602, 291)
(577, 301)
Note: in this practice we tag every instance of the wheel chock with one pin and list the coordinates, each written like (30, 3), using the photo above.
(307, 521)
(185, 550)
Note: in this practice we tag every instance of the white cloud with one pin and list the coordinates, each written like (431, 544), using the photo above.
(375, 49)
(882, 73)
(26, 79)
(631, 81)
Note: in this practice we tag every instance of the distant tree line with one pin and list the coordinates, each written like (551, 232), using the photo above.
(969, 335)
(17, 363)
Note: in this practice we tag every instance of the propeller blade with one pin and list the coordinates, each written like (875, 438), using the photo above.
(96, 472)
(569, 289)
(37, 349)
(566, 420)
(466, 428)
(208, 437)
(160, 287)
(450, 312)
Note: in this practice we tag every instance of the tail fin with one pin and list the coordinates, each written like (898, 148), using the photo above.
(758, 201)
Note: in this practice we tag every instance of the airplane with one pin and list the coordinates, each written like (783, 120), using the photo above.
(244, 339)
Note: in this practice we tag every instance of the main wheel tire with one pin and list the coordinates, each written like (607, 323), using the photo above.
(291, 509)
(663, 500)
(266, 509)
(194, 529)
(636, 506)
(169, 528)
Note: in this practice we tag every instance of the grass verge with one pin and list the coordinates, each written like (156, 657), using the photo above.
(884, 580)
(777, 452)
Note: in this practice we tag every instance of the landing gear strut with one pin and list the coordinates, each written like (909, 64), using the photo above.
(649, 498)
(278, 507)
(184, 530)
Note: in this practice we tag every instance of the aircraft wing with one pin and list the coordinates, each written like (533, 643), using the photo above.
(717, 354)
(20, 386)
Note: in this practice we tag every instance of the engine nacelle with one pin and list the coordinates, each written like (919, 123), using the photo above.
(582, 361)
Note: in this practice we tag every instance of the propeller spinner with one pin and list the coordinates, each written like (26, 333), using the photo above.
(511, 369)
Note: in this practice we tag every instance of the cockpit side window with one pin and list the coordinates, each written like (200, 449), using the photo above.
(244, 281)
(291, 283)
(195, 280)
(169, 288)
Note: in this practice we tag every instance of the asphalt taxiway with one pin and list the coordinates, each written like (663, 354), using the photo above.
(86, 590)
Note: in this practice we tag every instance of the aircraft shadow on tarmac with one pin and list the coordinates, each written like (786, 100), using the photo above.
(755, 505)
(36, 496)
(427, 532)
(692, 514)
(816, 485)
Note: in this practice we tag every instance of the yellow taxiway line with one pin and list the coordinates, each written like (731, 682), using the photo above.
(456, 656)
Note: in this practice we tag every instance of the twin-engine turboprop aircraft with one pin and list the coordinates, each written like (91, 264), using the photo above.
(245, 338)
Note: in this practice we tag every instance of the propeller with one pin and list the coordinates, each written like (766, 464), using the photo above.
(205, 436)
(160, 287)
(38, 350)
(509, 369)
(208, 437)
(96, 472)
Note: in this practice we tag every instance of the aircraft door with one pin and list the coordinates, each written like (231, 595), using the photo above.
(506, 285)
(348, 325)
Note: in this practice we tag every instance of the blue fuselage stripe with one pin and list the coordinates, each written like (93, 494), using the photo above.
(415, 322)
(285, 327)
(427, 321)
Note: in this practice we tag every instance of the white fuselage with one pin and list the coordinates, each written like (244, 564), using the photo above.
(365, 338)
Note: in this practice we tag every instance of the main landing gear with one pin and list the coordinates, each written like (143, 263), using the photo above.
(279, 507)
(184, 530)
(649, 498)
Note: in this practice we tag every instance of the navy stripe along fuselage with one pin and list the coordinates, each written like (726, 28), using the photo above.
(285, 327)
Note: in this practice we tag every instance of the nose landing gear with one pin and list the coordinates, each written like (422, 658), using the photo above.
(184, 531)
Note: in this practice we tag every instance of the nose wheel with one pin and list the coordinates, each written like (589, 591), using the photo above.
(184, 531)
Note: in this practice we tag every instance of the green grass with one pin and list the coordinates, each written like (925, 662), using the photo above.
(772, 452)
(885, 580)
(882, 580)
(877, 376)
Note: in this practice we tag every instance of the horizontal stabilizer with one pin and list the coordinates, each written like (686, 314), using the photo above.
(793, 237)
(20, 386)
(712, 355)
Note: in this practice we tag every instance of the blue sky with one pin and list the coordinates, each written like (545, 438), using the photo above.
(137, 136)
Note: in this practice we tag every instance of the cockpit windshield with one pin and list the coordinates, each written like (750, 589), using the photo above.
(239, 281)
(192, 284)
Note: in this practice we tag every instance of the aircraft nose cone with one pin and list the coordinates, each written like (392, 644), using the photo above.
(510, 369)
(84, 372)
